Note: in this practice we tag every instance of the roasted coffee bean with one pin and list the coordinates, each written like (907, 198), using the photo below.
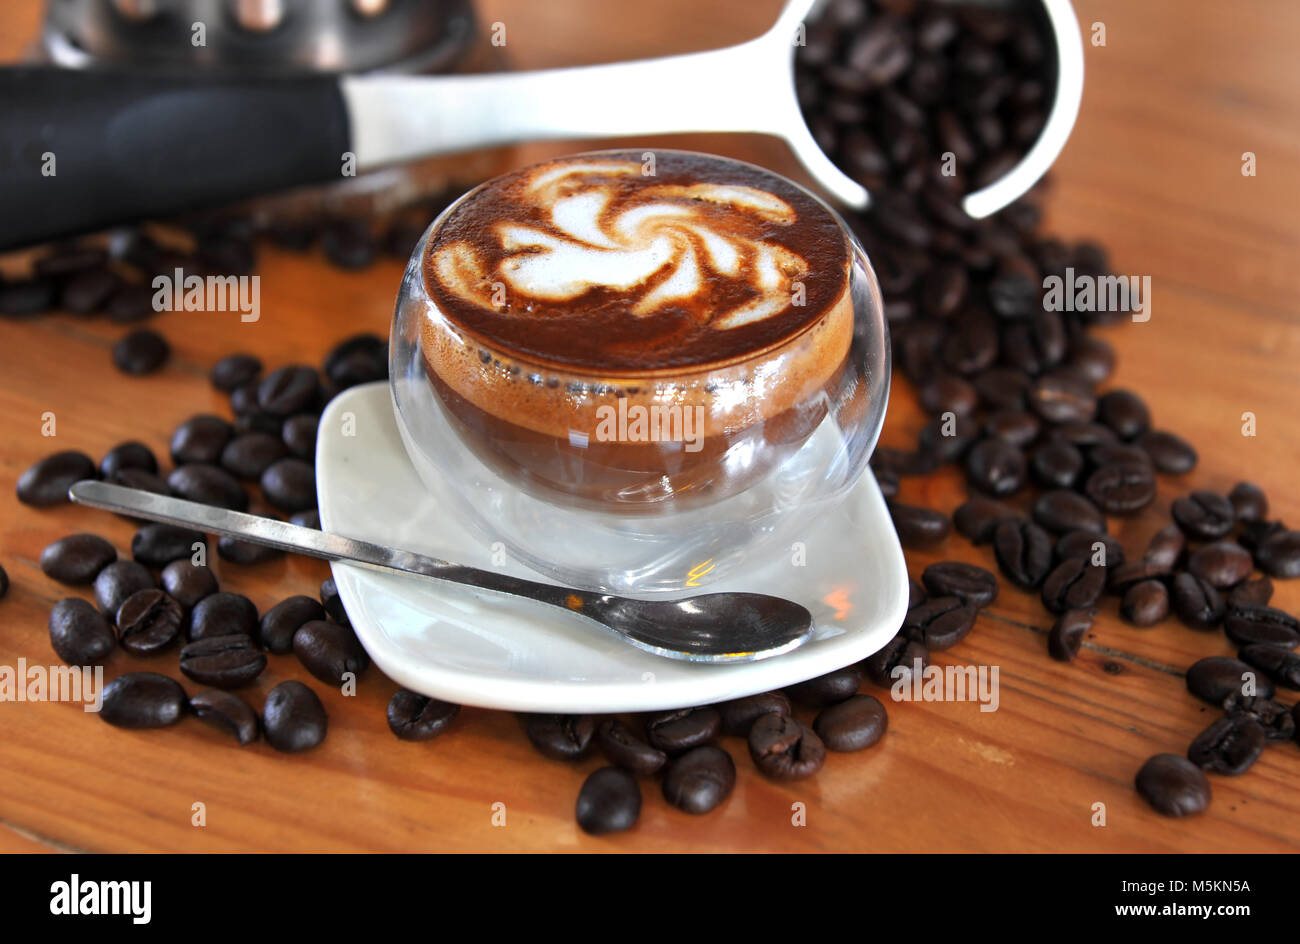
(560, 737)
(940, 622)
(1145, 603)
(187, 583)
(1100, 550)
(251, 454)
(416, 717)
(1002, 388)
(1255, 592)
(1066, 636)
(1274, 717)
(281, 621)
(1228, 746)
(141, 352)
(329, 651)
(27, 297)
(948, 394)
(289, 390)
(139, 478)
(127, 455)
(156, 545)
(918, 527)
(1092, 358)
(79, 633)
(349, 244)
(887, 479)
(1221, 564)
(1014, 426)
(1024, 552)
(1279, 555)
(208, 485)
(1073, 584)
(148, 621)
(968, 582)
(1056, 464)
(223, 661)
(609, 802)
(995, 467)
(1084, 436)
(222, 614)
(739, 713)
(1171, 454)
(143, 700)
(200, 439)
(898, 657)
(1196, 602)
(89, 291)
(293, 235)
(243, 402)
(1262, 625)
(1215, 679)
(1118, 453)
(700, 780)
(306, 519)
(245, 552)
(77, 558)
(1167, 546)
(235, 370)
(622, 747)
(333, 603)
(675, 732)
(226, 712)
(939, 443)
(1062, 396)
(290, 485)
(1124, 412)
(293, 718)
(852, 725)
(68, 260)
(1281, 665)
(1203, 515)
(47, 482)
(119, 580)
(977, 519)
(1255, 534)
(130, 304)
(785, 748)
(299, 435)
(1173, 786)
(827, 689)
(1060, 511)
(357, 360)
(1249, 502)
(1121, 488)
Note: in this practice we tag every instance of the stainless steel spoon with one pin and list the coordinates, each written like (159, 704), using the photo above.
(714, 627)
(145, 146)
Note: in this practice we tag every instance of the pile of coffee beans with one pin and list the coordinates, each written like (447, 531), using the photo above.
(114, 278)
(921, 103)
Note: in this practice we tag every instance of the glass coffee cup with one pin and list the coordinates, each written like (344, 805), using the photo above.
(633, 369)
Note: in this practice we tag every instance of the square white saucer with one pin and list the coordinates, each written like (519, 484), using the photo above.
(473, 647)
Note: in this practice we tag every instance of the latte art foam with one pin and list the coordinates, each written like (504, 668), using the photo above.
(590, 262)
(658, 245)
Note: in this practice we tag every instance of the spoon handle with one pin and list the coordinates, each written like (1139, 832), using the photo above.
(312, 543)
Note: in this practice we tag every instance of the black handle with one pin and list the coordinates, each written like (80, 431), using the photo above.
(126, 146)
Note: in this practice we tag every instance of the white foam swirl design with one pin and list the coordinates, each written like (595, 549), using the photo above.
(659, 243)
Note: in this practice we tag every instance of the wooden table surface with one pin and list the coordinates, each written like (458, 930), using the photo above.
(1178, 93)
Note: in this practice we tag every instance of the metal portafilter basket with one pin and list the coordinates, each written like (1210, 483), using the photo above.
(146, 145)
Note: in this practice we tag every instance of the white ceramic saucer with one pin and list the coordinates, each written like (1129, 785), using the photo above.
(478, 648)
